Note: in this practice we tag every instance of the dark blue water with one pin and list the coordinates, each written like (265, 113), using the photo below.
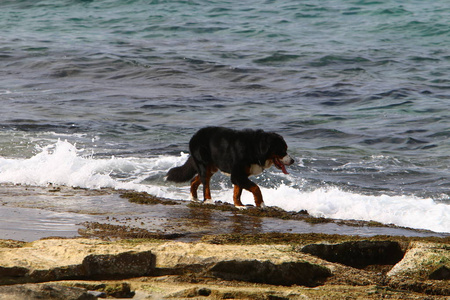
(359, 89)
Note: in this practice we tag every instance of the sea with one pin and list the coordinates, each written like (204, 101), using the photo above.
(107, 93)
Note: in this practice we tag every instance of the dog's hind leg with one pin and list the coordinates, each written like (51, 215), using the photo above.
(206, 188)
(195, 183)
(237, 196)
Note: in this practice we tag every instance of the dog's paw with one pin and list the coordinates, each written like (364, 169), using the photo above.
(209, 201)
(241, 207)
(263, 206)
(194, 199)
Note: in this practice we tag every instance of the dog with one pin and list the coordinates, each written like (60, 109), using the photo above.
(238, 153)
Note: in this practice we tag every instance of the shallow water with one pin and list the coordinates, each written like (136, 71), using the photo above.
(35, 213)
(358, 89)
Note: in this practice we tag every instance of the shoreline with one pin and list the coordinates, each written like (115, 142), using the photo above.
(37, 212)
(182, 250)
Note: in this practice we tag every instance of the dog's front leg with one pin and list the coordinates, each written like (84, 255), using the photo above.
(256, 191)
(241, 181)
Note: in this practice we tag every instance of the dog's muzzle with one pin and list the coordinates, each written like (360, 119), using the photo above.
(283, 162)
(287, 160)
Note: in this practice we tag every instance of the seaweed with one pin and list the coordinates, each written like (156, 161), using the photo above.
(145, 198)
(109, 231)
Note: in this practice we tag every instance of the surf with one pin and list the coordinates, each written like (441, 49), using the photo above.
(62, 163)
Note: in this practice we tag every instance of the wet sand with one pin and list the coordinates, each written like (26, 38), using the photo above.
(32, 213)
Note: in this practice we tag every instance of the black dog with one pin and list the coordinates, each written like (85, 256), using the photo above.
(238, 153)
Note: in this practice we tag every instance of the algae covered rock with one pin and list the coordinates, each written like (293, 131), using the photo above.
(287, 273)
(127, 264)
(358, 254)
(423, 269)
(421, 260)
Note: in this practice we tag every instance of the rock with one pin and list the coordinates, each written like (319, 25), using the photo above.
(197, 270)
(127, 264)
(441, 273)
(7, 272)
(101, 266)
(287, 273)
(111, 289)
(204, 292)
(43, 291)
(428, 287)
(234, 293)
(58, 273)
(421, 260)
(191, 293)
(358, 254)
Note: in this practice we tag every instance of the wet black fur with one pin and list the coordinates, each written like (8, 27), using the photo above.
(231, 151)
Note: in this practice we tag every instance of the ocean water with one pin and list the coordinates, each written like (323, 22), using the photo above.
(108, 93)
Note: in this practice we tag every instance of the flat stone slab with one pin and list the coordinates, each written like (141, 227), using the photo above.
(175, 266)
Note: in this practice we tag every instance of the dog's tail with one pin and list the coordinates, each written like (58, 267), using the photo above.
(183, 173)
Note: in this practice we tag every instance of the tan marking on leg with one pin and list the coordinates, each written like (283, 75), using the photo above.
(237, 196)
(195, 183)
(257, 195)
(206, 189)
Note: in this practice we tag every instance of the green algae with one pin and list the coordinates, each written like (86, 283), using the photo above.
(145, 198)
(110, 231)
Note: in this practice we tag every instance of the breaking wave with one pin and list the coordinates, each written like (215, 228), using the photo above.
(63, 164)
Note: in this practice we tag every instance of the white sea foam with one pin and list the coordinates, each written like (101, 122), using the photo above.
(64, 164)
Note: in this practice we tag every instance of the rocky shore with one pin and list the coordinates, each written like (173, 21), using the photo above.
(124, 262)
(226, 267)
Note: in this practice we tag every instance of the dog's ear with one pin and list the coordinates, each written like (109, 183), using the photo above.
(264, 144)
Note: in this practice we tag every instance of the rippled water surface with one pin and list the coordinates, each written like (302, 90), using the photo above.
(359, 90)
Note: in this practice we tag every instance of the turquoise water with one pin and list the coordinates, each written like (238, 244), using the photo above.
(359, 90)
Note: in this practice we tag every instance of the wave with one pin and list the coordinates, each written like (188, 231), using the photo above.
(63, 164)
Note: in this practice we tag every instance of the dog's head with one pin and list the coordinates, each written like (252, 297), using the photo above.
(274, 148)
